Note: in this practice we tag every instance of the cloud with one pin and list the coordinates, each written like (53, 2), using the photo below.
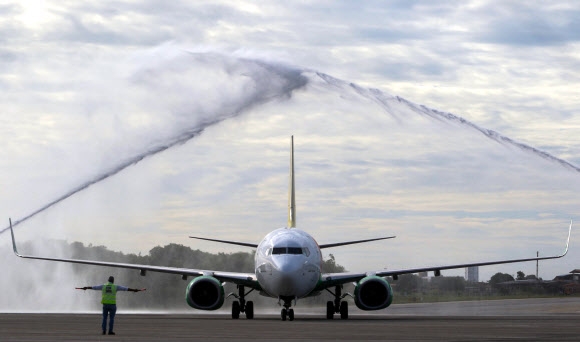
(525, 24)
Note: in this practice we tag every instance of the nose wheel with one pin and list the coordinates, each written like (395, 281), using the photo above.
(241, 305)
(287, 312)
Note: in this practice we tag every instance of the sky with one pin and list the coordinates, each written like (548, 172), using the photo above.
(213, 90)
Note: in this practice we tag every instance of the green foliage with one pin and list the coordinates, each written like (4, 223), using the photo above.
(407, 283)
(500, 278)
(448, 284)
(330, 265)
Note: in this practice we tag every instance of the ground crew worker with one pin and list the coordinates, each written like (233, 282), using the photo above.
(109, 301)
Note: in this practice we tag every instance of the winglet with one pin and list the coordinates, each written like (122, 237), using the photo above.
(568, 241)
(291, 193)
(13, 242)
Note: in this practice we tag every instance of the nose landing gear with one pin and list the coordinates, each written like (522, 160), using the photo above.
(286, 311)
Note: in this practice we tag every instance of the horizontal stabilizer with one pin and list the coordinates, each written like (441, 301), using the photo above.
(329, 245)
(253, 245)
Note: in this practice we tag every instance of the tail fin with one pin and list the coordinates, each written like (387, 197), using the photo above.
(291, 195)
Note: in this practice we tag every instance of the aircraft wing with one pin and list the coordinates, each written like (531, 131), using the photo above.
(329, 245)
(333, 279)
(245, 279)
(245, 244)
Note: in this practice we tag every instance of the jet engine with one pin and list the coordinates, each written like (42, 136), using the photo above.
(205, 293)
(373, 293)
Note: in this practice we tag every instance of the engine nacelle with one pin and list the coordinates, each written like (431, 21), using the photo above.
(205, 293)
(373, 293)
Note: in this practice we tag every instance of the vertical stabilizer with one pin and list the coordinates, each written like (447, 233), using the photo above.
(291, 198)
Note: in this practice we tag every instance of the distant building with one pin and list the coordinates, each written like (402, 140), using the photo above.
(573, 276)
(472, 274)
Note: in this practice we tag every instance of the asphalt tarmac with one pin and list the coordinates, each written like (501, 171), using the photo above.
(524, 320)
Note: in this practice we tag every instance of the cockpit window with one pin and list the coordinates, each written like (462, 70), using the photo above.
(279, 250)
(289, 250)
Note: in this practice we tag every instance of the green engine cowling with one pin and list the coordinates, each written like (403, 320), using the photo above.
(205, 293)
(373, 293)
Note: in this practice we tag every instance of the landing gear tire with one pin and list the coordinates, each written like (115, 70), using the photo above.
(250, 310)
(329, 310)
(236, 310)
(344, 310)
(283, 313)
(290, 314)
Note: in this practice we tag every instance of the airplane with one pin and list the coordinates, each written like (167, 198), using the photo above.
(288, 267)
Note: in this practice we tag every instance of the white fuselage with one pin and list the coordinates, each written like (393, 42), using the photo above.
(288, 263)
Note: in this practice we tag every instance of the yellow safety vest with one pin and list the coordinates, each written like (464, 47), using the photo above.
(109, 294)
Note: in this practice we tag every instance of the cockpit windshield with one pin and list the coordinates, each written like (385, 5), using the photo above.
(288, 250)
(294, 250)
(279, 250)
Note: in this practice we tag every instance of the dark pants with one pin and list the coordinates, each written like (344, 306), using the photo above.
(109, 309)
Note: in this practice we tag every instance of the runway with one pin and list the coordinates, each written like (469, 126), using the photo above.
(534, 319)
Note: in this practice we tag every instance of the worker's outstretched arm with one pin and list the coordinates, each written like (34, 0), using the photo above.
(86, 288)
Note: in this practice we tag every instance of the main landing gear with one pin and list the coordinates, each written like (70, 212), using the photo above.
(241, 305)
(287, 312)
(337, 306)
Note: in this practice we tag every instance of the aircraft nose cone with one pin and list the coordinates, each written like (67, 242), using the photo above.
(287, 273)
(286, 265)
